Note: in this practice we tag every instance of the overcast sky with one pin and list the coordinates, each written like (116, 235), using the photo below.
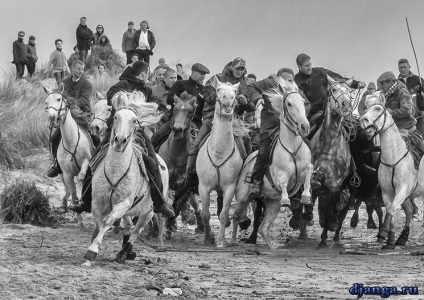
(361, 38)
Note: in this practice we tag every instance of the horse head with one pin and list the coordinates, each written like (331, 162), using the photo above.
(124, 124)
(376, 118)
(183, 114)
(101, 112)
(339, 96)
(56, 105)
(225, 97)
(290, 106)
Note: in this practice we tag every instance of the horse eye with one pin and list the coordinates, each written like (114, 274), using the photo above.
(289, 104)
(333, 90)
(109, 109)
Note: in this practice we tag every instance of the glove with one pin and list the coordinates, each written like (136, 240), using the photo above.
(419, 89)
(361, 85)
(242, 100)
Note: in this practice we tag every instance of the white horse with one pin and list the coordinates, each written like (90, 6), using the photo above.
(219, 161)
(291, 161)
(75, 149)
(398, 178)
(101, 111)
(120, 187)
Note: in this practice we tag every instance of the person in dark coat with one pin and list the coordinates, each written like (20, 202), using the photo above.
(234, 74)
(85, 39)
(31, 55)
(193, 86)
(144, 41)
(77, 91)
(127, 41)
(313, 82)
(408, 78)
(99, 32)
(20, 55)
(128, 81)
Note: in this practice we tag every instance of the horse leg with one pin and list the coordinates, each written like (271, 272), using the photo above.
(341, 217)
(241, 206)
(127, 250)
(128, 224)
(223, 217)
(83, 170)
(306, 195)
(384, 230)
(258, 218)
(282, 181)
(64, 205)
(324, 235)
(117, 212)
(370, 223)
(271, 212)
(193, 202)
(355, 217)
(206, 215)
(160, 221)
(403, 238)
(220, 201)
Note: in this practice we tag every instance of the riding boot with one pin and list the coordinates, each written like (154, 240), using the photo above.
(55, 170)
(86, 197)
(255, 190)
(189, 179)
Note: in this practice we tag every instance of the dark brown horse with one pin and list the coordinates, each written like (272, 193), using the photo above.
(174, 152)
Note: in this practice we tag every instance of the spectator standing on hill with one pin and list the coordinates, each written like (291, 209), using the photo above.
(127, 42)
(144, 41)
(58, 62)
(181, 75)
(31, 55)
(20, 55)
(104, 41)
(99, 32)
(84, 39)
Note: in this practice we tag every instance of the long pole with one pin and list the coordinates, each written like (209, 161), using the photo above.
(412, 44)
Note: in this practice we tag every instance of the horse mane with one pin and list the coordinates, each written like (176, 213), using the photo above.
(276, 95)
(186, 96)
(239, 128)
(80, 118)
(127, 97)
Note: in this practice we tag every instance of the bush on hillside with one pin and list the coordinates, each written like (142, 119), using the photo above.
(22, 203)
(114, 62)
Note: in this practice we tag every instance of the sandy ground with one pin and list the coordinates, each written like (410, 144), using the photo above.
(45, 263)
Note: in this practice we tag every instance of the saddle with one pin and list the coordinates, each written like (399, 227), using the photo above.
(237, 139)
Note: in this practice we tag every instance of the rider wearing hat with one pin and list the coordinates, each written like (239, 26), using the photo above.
(128, 81)
(233, 73)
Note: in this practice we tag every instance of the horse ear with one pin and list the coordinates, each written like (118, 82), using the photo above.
(236, 86)
(119, 102)
(192, 100)
(349, 82)
(215, 82)
(98, 95)
(330, 80)
(46, 90)
(176, 99)
(382, 98)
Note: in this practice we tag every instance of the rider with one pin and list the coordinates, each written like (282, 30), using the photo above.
(193, 86)
(77, 91)
(313, 82)
(370, 90)
(233, 73)
(269, 124)
(399, 104)
(161, 91)
(128, 81)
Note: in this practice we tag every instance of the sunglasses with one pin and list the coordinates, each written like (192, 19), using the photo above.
(21, 35)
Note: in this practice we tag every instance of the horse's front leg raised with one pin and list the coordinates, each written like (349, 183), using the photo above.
(117, 212)
(228, 194)
(306, 195)
(282, 182)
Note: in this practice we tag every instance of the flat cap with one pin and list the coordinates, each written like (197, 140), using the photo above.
(238, 62)
(386, 76)
(200, 68)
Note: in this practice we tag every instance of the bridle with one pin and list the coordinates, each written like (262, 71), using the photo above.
(336, 99)
(288, 116)
(219, 100)
(131, 134)
(373, 125)
(188, 120)
(59, 115)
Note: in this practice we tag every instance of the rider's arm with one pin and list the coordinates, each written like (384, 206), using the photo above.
(406, 105)
(176, 89)
(209, 93)
(254, 91)
(356, 84)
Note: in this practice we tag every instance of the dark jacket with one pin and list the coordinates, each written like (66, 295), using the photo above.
(19, 52)
(150, 38)
(127, 40)
(210, 92)
(31, 52)
(411, 82)
(315, 87)
(192, 88)
(84, 37)
(78, 93)
(401, 107)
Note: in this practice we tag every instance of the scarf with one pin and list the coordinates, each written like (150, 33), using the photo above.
(391, 90)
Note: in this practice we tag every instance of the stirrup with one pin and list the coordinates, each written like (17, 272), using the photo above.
(355, 181)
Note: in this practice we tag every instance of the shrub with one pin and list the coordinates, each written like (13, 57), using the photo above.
(21, 202)
(114, 62)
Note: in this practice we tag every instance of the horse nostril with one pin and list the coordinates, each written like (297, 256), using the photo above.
(115, 139)
(124, 141)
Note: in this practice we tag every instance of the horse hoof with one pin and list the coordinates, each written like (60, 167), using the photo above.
(131, 256)
(233, 244)
(388, 247)
(400, 242)
(90, 255)
(87, 263)
(305, 200)
(119, 259)
(63, 209)
(209, 240)
(198, 229)
(302, 236)
(322, 245)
